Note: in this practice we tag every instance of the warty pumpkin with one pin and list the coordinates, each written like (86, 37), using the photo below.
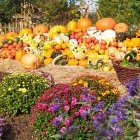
(120, 27)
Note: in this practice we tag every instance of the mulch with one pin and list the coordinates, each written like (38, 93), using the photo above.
(18, 127)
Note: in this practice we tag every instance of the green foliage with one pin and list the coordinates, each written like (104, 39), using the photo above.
(58, 12)
(121, 10)
(18, 92)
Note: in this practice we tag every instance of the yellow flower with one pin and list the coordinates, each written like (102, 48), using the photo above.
(74, 84)
(80, 82)
(107, 92)
(85, 84)
(107, 83)
(103, 94)
(98, 98)
(114, 90)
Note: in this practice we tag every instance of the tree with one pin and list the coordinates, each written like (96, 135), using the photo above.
(121, 10)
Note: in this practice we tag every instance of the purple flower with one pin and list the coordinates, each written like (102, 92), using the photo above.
(83, 97)
(67, 108)
(114, 120)
(100, 116)
(55, 107)
(83, 113)
(95, 124)
(118, 129)
(100, 105)
(56, 121)
(85, 90)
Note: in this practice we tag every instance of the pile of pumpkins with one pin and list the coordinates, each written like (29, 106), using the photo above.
(80, 43)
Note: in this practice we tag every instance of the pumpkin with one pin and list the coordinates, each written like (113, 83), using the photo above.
(105, 23)
(56, 30)
(40, 29)
(9, 35)
(72, 62)
(121, 27)
(71, 26)
(19, 54)
(48, 61)
(83, 62)
(30, 61)
(25, 31)
(84, 23)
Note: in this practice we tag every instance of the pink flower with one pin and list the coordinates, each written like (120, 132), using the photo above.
(65, 102)
(76, 114)
(67, 122)
(67, 108)
(43, 134)
(63, 129)
(74, 101)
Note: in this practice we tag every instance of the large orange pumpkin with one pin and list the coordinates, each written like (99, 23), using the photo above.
(71, 26)
(40, 29)
(30, 61)
(84, 23)
(121, 27)
(105, 23)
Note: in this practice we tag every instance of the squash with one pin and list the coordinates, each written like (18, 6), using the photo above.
(71, 26)
(105, 23)
(83, 62)
(56, 30)
(84, 23)
(121, 27)
(48, 61)
(9, 35)
(40, 29)
(30, 61)
(72, 62)
(25, 31)
(19, 54)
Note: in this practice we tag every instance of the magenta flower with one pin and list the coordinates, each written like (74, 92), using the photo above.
(63, 129)
(74, 101)
(43, 134)
(67, 108)
(65, 102)
(77, 114)
(67, 122)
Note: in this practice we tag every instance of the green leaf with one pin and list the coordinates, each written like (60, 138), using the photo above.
(57, 136)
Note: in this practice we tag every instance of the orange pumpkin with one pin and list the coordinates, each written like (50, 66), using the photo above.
(83, 62)
(48, 61)
(121, 27)
(19, 55)
(72, 62)
(30, 61)
(84, 23)
(71, 26)
(40, 29)
(105, 23)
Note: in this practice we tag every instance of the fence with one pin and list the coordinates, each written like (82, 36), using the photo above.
(10, 27)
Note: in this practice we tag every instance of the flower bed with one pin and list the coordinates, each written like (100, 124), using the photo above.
(68, 111)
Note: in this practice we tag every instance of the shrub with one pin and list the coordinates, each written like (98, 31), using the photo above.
(67, 111)
(18, 92)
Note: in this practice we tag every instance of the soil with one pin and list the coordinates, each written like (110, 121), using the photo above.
(18, 127)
